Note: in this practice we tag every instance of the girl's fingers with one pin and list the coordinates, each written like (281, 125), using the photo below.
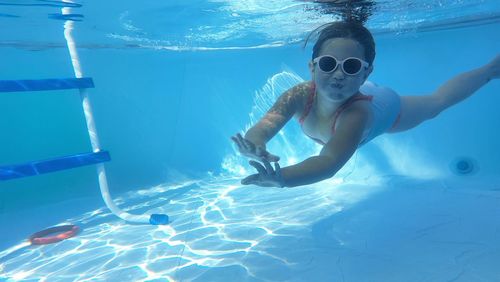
(277, 168)
(252, 179)
(249, 149)
(268, 166)
(272, 158)
(235, 140)
(265, 155)
(241, 141)
(261, 169)
(269, 157)
(249, 145)
(261, 153)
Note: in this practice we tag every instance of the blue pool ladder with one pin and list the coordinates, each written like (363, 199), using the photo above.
(97, 157)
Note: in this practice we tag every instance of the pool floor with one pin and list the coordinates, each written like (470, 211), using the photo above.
(387, 229)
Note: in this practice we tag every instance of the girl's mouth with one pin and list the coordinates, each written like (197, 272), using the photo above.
(336, 85)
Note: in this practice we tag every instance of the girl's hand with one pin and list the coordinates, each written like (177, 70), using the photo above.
(249, 149)
(494, 67)
(267, 176)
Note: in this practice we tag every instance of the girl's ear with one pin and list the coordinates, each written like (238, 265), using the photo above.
(368, 71)
(311, 68)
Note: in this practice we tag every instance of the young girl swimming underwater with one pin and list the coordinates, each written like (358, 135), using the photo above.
(341, 110)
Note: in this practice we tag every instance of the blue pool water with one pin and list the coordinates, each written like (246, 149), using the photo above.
(173, 81)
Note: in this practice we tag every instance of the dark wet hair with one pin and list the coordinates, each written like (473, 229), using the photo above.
(345, 29)
(348, 10)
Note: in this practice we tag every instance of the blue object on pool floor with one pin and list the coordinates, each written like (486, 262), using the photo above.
(158, 219)
(51, 165)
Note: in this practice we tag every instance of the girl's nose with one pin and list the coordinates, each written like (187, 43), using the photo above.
(338, 73)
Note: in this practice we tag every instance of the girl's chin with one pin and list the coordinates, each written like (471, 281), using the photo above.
(337, 96)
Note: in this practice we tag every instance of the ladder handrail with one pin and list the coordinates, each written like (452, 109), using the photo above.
(45, 84)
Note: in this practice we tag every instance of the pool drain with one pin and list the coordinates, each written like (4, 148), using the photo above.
(464, 166)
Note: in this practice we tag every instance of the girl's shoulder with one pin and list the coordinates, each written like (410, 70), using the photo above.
(303, 88)
(301, 92)
(299, 95)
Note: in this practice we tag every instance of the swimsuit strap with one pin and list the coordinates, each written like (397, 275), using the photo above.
(307, 109)
(310, 101)
(396, 122)
(358, 97)
(309, 104)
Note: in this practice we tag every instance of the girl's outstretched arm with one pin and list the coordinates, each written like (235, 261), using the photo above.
(331, 159)
(280, 113)
(254, 143)
(334, 154)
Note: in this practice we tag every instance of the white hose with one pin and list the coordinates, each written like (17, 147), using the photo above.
(94, 139)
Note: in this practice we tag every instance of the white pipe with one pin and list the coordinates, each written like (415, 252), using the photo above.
(94, 139)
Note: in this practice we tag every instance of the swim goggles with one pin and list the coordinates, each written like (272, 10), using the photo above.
(350, 66)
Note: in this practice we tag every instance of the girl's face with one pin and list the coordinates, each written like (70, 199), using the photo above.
(337, 86)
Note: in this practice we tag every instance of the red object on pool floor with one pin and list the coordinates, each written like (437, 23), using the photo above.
(59, 233)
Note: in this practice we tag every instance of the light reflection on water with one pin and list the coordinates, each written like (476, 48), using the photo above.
(217, 225)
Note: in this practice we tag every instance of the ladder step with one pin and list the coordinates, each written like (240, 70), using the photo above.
(52, 165)
(45, 84)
